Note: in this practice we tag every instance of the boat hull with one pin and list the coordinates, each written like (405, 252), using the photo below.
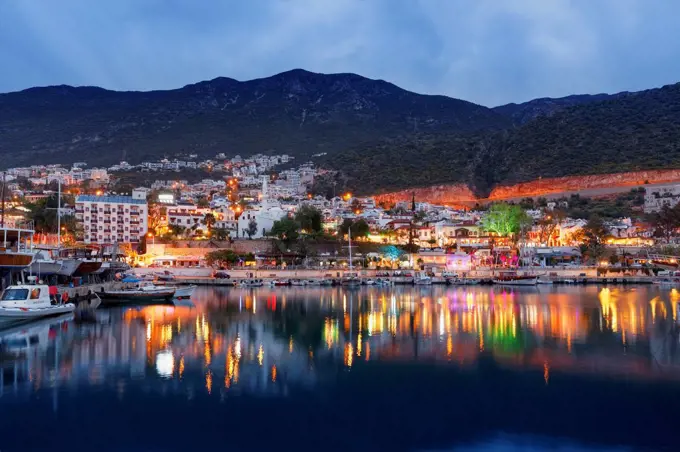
(11, 315)
(16, 260)
(516, 282)
(184, 292)
(87, 267)
(136, 296)
(68, 267)
(45, 268)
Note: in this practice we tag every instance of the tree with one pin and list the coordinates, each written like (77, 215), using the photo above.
(310, 219)
(360, 228)
(548, 225)
(251, 230)
(141, 246)
(203, 203)
(286, 230)
(666, 221)
(505, 219)
(220, 234)
(592, 237)
(221, 257)
(209, 220)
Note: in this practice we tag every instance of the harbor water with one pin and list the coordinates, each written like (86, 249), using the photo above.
(425, 368)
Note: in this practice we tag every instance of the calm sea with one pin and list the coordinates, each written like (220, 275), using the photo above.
(394, 369)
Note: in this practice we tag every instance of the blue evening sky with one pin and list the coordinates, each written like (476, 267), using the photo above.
(487, 51)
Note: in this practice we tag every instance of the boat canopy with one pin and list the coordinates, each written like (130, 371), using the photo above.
(131, 279)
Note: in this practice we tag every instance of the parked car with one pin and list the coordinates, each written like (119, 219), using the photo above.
(221, 275)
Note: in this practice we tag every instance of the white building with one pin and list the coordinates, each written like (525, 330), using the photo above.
(657, 197)
(112, 219)
(264, 215)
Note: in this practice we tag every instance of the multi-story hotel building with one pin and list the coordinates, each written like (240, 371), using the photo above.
(112, 219)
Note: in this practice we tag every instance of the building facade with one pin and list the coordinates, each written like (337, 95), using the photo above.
(112, 219)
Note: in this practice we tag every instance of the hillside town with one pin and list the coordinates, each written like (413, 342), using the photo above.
(265, 209)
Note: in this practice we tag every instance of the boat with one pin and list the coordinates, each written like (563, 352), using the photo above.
(184, 292)
(137, 290)
(280, 282)
(45, 264)
(298, 282)
(368, 282)
(470, 282)
(165, 276)
(543, 280)
(78, 261)
(351, 280)
(383, 282)
(313, 282)
(25, 302)
(67, 266)
(251, 283)
(326, 282)
(422, 280)
(511, 278)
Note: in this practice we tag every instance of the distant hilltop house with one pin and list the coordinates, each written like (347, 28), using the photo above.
(657, 197)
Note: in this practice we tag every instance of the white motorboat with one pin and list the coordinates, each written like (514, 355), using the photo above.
(383, 282)
(24, 302)
(544, 280)
(369, 282)
(470, 282)
(313, 282)
(184, 292)
(298, 282)
(136, 290)
(165, 276)
(251, 283)
(326, 282)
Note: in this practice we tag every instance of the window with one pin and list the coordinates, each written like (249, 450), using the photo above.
(35, 294)
(15, 294)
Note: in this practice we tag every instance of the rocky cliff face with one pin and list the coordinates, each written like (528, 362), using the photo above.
(595, 185)
(448, 195)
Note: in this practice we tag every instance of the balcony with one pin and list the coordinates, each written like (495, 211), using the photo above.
(107, 212)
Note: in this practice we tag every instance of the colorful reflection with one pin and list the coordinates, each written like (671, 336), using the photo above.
(266, 340)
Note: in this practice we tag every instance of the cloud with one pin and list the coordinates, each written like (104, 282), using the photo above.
(486, 51)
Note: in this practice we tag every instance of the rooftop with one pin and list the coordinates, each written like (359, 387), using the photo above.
(110, 199)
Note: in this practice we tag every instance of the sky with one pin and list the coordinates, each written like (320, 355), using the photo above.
(490, 52)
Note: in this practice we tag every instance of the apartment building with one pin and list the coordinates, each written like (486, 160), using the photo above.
(112, 219)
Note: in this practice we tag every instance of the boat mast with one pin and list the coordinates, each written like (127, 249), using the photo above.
(2, 220)
(58, 212)
(349, 239)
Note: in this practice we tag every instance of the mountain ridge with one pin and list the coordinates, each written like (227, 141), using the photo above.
(379, 136)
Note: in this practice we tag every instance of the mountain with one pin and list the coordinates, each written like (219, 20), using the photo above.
(525, 112)
(295, 112)
(627, 132)
(377, 136)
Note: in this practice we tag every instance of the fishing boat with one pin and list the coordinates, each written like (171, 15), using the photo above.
(25, 302)
(137, 290)
(511, 278)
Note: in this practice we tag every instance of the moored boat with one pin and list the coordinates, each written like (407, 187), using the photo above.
(25, 302)
(184, 292)
(251, 283)
(351, 280)
(511, 278)
(137, 290)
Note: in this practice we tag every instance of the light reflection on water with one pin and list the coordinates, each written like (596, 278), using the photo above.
(270, 342)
